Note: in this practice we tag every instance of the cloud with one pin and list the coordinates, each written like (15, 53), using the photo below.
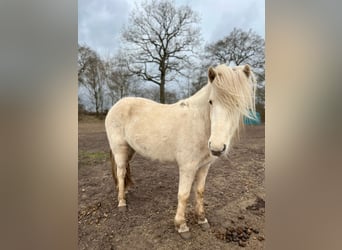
(247, 15)
(100, 21)
(222, 16)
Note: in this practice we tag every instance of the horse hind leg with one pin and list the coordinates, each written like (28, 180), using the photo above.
(128, 179)
(114, 174)
(121, 174)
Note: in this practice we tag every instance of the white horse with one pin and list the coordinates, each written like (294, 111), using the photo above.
(192, 132)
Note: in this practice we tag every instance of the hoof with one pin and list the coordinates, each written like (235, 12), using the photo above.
(205, 226)
(185, 235)
(122, 209)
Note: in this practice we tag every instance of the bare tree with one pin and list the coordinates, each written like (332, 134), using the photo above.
(120, 78)
(241, 47)
(199, 76)
(153, 94)
(161, 39)
(84, 53)
(91, 75)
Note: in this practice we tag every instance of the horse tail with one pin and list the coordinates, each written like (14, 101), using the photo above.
(115, 176)
(128, 179)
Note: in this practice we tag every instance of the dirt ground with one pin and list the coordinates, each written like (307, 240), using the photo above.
(234, 197)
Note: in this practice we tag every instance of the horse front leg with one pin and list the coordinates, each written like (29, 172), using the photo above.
(186, 177)
(199, 192)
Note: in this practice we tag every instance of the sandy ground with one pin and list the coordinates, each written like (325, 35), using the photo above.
(234, 197)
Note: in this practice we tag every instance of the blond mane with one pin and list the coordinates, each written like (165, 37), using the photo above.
(235, 90)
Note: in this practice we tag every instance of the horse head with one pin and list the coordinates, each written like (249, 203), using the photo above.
(231, 96)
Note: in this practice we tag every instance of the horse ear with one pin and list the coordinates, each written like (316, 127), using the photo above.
(247, 70)
(211, 74)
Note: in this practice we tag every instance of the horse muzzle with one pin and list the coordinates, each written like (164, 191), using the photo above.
(217, 152)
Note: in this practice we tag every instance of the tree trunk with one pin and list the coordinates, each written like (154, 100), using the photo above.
(162, 93)
(162, 87)
(121, 92)
(96, 103)
(97, 108)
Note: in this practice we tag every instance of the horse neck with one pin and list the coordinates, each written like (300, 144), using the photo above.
(199, 104)
(200, 99)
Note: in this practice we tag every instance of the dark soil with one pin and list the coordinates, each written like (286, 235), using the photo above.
(234, 198)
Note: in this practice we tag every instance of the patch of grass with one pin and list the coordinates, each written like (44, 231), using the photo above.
(92, 157)
(88, 117)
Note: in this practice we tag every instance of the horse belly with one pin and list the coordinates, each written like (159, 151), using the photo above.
(153, 144)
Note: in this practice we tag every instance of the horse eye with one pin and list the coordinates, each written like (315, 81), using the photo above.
(210, 102)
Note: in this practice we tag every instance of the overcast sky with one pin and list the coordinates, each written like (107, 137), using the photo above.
(100, 21)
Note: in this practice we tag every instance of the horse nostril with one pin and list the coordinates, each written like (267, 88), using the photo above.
(216, 153)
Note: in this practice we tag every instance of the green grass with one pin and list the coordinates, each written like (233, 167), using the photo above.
(92, 157)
